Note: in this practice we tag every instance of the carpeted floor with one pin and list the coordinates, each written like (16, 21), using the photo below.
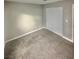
(42, 44)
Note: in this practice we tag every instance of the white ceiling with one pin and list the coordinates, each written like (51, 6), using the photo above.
(34, 1)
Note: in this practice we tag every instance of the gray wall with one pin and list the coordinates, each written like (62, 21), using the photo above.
(21, 18)
(67, 10)
(54, 19)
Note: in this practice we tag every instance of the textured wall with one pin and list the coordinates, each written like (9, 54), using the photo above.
(67, 10)
(21, 18)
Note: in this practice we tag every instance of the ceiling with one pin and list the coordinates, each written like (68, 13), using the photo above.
(34, 1)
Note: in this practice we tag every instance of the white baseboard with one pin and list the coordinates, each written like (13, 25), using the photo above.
(61, 35)
(35, 31)
(23, 35)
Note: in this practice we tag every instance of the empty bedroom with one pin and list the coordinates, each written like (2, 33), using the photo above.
(39, 29)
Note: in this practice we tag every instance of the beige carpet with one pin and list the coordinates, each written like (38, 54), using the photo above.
(42, 44)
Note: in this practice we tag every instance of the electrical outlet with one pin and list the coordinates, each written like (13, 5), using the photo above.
(66, 20)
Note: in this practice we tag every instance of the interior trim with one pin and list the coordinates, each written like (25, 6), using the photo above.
(62, 36)
(35, 31)
(23, 35)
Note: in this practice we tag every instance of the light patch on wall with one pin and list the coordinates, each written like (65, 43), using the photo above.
(25, 22)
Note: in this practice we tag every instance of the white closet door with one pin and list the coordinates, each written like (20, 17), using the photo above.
(54, 19)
